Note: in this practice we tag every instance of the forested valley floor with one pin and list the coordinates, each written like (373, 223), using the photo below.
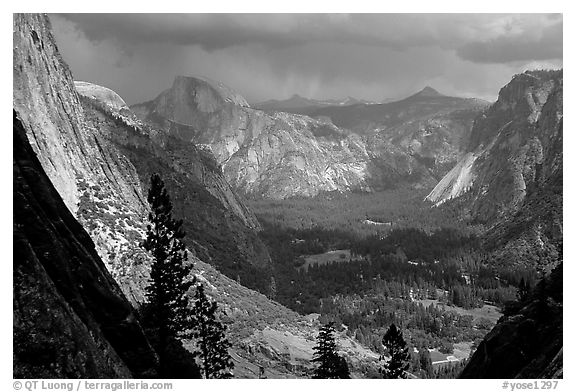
(364, 261)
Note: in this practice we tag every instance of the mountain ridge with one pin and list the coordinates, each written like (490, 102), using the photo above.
(279, 155)
(426, 92)
(296, 103)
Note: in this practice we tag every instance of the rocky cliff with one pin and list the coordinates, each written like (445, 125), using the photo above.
(92, 177)
(71, 319)
(101, 94)
(298, 156)
(509, 146)
(57, 136)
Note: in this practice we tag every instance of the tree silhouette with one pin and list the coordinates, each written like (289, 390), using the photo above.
(396, 348)
(330, 364)
(166, 313)
(210, 338)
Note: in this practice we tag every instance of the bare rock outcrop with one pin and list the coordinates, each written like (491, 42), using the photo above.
(101, 94)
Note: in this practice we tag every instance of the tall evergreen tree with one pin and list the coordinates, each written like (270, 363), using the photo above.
(330, 364)
(210, 338)
(166, 314)
(396, 348)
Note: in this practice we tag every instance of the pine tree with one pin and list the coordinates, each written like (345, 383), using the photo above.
(166, 313)
(210, 339)
(330, 364)
(397, 349)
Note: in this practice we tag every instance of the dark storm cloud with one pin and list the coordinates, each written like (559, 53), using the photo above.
(264, 56)
(511, 48)
(219, 31)
(210, 31)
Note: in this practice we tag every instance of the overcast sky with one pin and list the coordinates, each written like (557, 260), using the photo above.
(370, 56)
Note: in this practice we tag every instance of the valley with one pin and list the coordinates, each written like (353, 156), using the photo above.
(432, 279)
(439, 215)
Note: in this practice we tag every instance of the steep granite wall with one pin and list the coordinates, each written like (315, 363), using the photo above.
(70, 317)
(514, 145)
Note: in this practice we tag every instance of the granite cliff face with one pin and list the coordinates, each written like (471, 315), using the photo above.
(513, 145)
(71, 319)
(93, 178)
(56, 135)
(275, 155)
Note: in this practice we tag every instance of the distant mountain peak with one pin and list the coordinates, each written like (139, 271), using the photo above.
(428, 92)
(227, 93)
